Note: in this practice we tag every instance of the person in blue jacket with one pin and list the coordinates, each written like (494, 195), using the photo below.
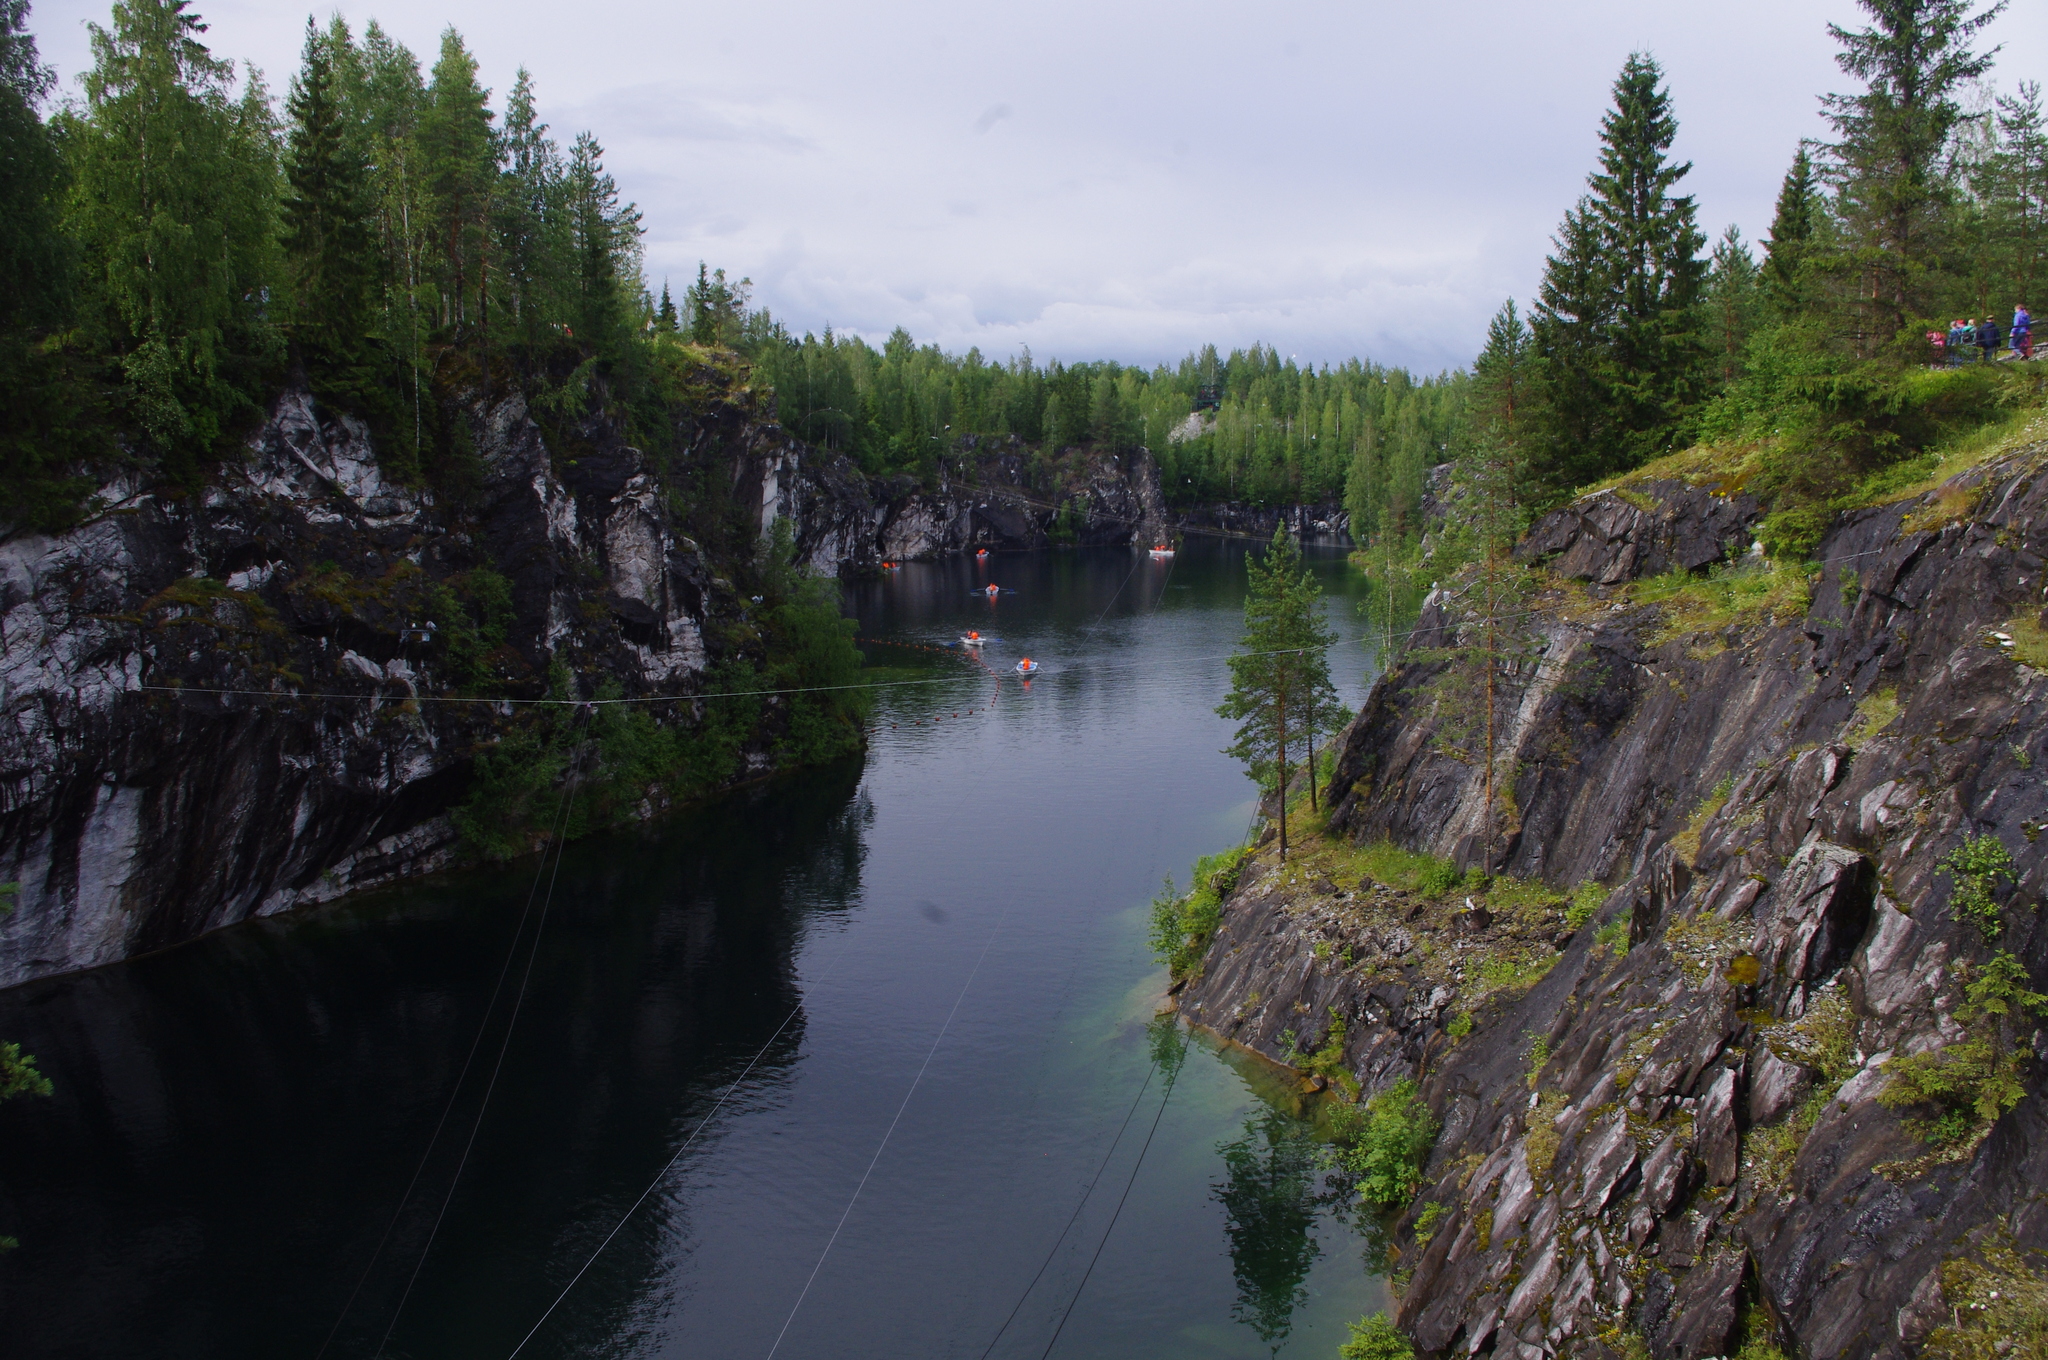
(1987, 339)
(1959, 335)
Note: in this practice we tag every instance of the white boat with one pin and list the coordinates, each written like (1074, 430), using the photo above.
(1162, 551)
(973, 640)
(982, 555)
(1027, 667)
(992, 590)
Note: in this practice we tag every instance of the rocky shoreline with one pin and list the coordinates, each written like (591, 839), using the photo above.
(1725, 900)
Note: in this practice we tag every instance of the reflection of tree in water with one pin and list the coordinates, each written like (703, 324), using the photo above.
(1272, 1195)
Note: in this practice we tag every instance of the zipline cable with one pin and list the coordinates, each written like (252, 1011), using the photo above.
(1171, 1078)
(497, 1067)
(1151, 1071)
(556, 824)
(687, 1143)
(890, 1132)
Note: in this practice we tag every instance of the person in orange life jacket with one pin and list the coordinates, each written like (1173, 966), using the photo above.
(2022, 332)
(1987, 339)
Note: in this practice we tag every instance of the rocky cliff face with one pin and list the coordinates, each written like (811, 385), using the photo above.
(156, 778)
(1662, 1114)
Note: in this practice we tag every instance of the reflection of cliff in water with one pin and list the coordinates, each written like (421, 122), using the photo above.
(235, 1120)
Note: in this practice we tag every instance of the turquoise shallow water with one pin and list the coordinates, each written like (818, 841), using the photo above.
(237, 1120)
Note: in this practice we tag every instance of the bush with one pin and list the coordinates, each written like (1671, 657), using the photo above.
(1977, 864)
(1389, 1144)
(1586, 900)
(1440, 877)
(1375, 1338)
(1183, 925)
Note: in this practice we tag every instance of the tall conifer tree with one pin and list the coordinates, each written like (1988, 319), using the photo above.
(1794, 227)
(1616, 322)
(326, 237)
(459, 164)
(1892, 187)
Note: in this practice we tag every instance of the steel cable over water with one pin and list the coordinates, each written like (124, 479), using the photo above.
(504, 1045)
(1137, 1166)
(558, 824)
(662, 1175)
(890, 1132)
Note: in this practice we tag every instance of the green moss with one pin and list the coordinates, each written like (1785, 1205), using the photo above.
(1743, 595)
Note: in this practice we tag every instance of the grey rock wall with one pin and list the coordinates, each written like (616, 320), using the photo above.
(1766, 806)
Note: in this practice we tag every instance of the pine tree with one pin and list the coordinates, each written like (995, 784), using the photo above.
(1280, 679)
(2014, 191)
(605, 238)
(1892, 189)
(527, 200)
(326, 237)
(1794, 230)
(1732, 297)
(1616, 324)
(458, 165)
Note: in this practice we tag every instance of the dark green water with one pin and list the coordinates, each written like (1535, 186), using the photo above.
(237, 1120)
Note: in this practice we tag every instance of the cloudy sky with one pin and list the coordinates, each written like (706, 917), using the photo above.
(1130, 179)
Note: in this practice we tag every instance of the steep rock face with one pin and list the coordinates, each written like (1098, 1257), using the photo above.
(135, 816)
(1681, 1117)
(1309, 522)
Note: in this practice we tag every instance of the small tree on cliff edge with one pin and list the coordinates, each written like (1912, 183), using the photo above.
(1280, 678)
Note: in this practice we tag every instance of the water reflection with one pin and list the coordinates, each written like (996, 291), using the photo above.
(1272, 1195)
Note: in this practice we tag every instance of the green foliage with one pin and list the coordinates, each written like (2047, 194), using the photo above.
(1998, 1305)
(18, 1074)
(1614, 325)
(1387, 1145)
(1183, 924)
(1280, 677)
(1614, 935)
(1460, 1026)
(1966, 1086)
(1376, 1338)
(1977, 865)
(173, 206)
(1438, 877)
(1586, 900)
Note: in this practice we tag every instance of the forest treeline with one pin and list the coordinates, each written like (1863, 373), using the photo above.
(178, 241)
(1809, 363)
(1267, 430)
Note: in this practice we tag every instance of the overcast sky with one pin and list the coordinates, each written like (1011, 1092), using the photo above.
(1123, 180)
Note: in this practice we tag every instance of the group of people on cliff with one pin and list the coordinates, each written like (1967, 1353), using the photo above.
(1986, 338)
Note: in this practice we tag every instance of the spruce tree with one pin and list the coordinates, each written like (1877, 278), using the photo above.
(33, 253)
(605, 238)
(1892, 187)
(2014, 192)
(1731, 302)
(1616, 325)
(326, 236)
(1794, 229)
(527, 205)
(458, 166)
(1616, 321)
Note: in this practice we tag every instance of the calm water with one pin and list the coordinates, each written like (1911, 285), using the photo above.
(237, 1120)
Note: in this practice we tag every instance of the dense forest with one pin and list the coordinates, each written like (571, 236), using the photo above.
(177, 243)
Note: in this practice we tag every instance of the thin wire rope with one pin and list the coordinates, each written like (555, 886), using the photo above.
(497, 1067)
(483, 1028)
(662, 1175)
(889, 1133)
(1137, 1166)
(1151, 1071)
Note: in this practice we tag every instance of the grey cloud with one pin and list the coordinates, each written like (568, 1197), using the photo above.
(990, 116)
